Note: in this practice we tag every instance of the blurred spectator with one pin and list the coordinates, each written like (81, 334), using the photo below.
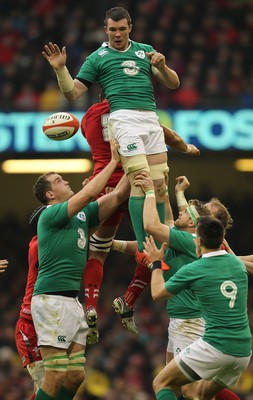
(196, 38)
(27, 99)
(187, 96)
(50, 98)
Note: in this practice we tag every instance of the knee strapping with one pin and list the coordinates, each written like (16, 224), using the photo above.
(159, 171)
(76, 361)
(37, 373)
(100, 244)
(56, 362)
(135, 163)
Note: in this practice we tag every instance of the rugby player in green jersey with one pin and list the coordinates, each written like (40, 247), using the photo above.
(220, 283)
(124, 69)
(63, 236)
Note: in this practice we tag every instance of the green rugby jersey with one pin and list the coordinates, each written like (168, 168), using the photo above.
(220, 282)
(125, 76)
(181, 251)
(63, 246)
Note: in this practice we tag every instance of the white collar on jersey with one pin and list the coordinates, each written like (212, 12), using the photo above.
(214, 253)
(106, 44)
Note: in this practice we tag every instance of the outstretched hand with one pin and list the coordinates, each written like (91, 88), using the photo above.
(151, 250)
(57, 58)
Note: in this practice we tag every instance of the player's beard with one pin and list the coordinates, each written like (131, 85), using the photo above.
(180, 225)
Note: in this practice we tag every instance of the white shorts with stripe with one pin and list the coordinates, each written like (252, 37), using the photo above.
(58, 320)
(201, 360)
(137, 132)
(183, 332)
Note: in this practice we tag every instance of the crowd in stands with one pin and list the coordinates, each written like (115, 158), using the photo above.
(209, 44)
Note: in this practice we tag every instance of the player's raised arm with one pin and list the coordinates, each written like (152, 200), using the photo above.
(71, 88)
(163, 73)
(176, 142)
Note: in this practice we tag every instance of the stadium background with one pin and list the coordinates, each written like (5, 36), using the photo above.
(210, 45)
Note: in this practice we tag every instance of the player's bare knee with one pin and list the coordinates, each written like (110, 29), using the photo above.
(160, 189)
(75, 370)
(157, 384)
(56, 362)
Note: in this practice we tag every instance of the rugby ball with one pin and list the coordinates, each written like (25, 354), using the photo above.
(60, 126)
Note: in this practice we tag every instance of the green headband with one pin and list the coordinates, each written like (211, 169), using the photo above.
(193, 213)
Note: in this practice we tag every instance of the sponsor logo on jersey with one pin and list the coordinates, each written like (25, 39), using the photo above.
(61, 339)
(140, 53)
(81, 215)
(130, 68)
(103, 53)
(131, 147)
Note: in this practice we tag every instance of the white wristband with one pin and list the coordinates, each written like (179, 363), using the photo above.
(65, 81)
(119, 245)
(181, 200)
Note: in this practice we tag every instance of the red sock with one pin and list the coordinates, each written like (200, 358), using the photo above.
(33, 396)
(93, 276)
(140, 280)
(226, 394)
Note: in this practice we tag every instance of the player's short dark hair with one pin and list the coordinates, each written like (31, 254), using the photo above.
(211, 231)
(117, 14)
(33, 220)
(41, 186)
(221, 212)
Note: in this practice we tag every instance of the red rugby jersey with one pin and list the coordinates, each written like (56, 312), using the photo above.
(25, 310)
(94, 127)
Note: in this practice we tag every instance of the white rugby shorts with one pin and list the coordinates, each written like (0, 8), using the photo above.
(183, 332)
(200, 359)
(137, 132)
(58, 320)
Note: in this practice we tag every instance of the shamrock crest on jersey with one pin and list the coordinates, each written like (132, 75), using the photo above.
(130, 67)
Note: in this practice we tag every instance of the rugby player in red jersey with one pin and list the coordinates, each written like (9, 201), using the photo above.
(25, 334)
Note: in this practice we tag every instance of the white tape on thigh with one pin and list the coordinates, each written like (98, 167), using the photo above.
(76, 361)
(135, 163)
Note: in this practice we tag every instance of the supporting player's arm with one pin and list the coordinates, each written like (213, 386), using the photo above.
(248, 260)
(95, 186)
(156, 256)
(176, 142)
(151, 220)
(161, 71)
(182, 184)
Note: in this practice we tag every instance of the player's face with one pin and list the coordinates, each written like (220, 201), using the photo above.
(118, 33)
(183, 220)
(60, 189)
